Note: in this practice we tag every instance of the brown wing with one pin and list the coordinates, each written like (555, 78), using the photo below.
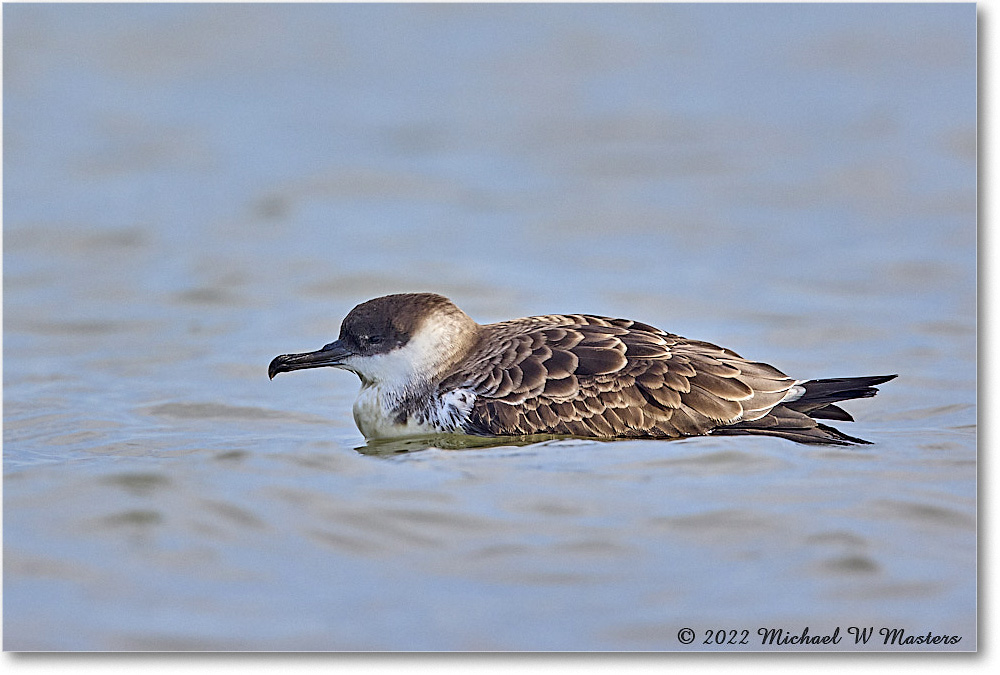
(585, 375)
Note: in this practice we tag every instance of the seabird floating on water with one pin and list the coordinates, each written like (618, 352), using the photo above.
(427, 368)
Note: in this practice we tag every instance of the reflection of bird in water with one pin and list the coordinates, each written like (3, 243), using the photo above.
(427, 368)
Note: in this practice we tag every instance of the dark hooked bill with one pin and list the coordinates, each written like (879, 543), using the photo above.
(332, 354)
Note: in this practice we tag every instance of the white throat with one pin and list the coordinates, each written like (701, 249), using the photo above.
(393, 383)
(440, 341)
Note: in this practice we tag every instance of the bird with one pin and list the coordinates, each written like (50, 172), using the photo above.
(426, 368)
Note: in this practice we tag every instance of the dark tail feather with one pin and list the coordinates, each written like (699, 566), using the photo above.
(831, 412)
(821, 393)
(796, 420)
(817, 434)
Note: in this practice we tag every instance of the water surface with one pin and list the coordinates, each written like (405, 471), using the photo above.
(191, 190)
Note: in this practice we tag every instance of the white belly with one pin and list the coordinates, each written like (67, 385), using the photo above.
(377, 414)
(377, 419)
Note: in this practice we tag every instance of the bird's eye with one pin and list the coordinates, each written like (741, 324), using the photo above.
(375, 340)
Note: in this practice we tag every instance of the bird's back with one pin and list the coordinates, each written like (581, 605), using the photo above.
(597, 376)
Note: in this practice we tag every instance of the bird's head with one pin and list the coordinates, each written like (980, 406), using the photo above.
(395, 340)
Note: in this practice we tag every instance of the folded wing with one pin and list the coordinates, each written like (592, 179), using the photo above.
(585, 375)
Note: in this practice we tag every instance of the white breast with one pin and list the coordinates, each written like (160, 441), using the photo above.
(377, 413)
(376, 416)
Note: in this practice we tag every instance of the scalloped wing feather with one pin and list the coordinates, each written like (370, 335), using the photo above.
(587, 375)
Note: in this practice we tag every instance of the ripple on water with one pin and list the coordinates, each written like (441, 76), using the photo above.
(722, 525)
(924, 513)
(718, 462)
(140, 484)
(850, 565)
(221, 411)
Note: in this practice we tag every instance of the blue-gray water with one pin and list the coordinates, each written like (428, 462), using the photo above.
(190, 190)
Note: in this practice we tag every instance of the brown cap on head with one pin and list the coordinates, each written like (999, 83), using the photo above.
(391, 320)
(399, 313)
(434, 332)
